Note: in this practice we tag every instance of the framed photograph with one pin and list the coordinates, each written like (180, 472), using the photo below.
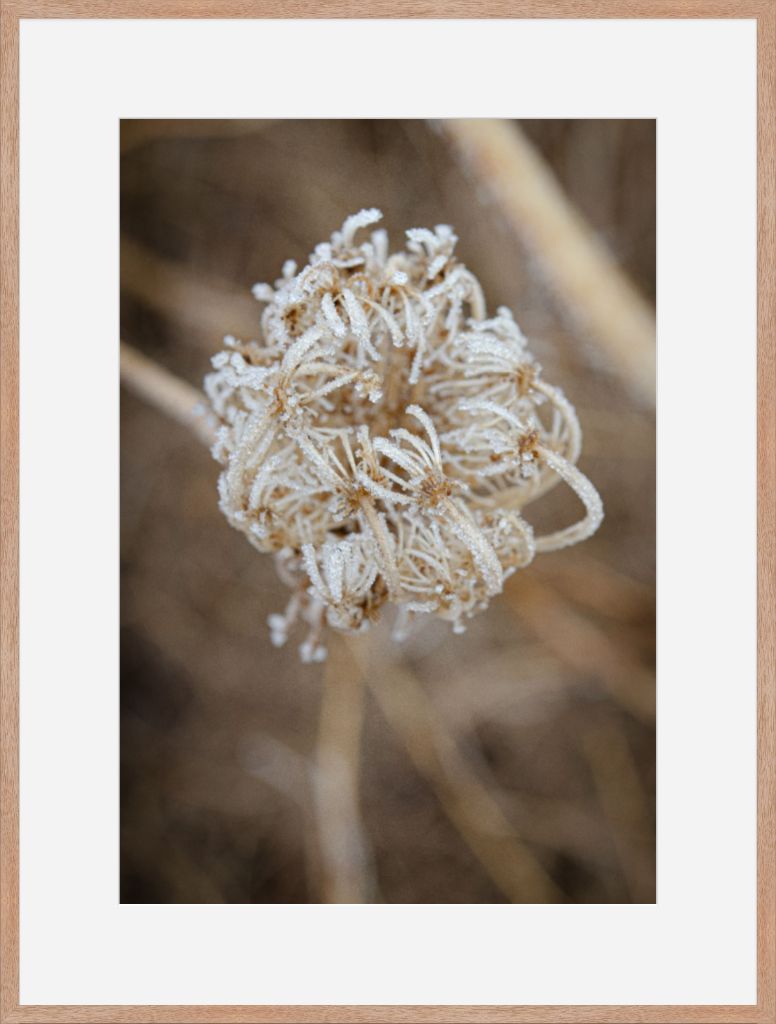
(388, 461)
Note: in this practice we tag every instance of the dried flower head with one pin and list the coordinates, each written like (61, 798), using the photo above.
(384, 436)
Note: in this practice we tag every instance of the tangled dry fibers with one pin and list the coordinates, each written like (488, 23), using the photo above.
(384, 437)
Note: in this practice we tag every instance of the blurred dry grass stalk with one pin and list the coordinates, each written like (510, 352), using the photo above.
(530, 767)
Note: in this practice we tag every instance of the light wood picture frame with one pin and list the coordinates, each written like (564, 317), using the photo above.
(764, 13)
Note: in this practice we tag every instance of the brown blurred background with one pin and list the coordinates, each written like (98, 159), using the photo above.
(530, 736)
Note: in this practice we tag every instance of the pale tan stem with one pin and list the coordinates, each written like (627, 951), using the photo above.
(583, 272)
(166, 392)
(209, 309)
(347, 874)
(465, 800)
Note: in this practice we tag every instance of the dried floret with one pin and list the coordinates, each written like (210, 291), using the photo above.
(384, 437)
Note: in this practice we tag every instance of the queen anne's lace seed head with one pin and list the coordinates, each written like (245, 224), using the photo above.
(384, 437)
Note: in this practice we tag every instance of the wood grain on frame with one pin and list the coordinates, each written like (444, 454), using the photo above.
(764, 12)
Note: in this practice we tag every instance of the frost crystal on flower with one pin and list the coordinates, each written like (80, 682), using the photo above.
(384, 437)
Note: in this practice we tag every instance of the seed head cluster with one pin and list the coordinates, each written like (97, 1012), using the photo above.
(384, 436)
